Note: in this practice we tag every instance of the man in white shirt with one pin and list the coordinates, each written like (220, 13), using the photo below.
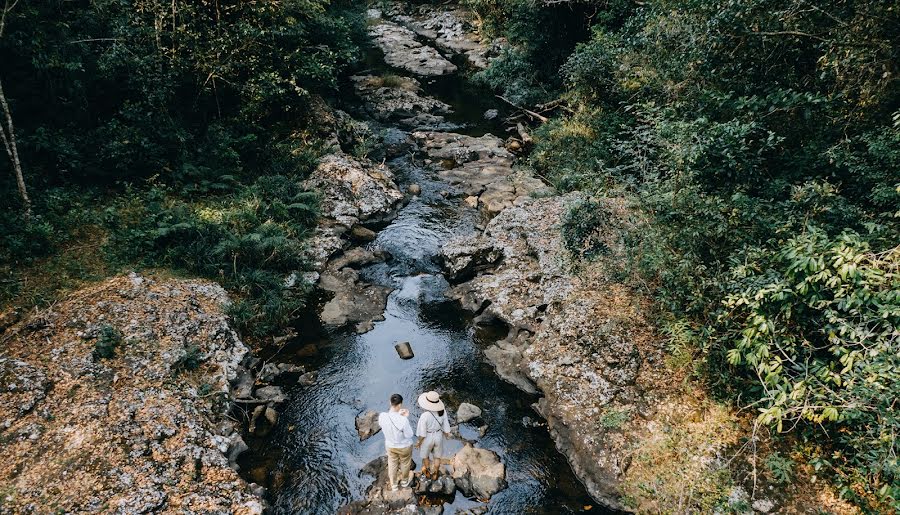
(398, 440)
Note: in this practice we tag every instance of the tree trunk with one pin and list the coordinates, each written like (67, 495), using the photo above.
(8, 135)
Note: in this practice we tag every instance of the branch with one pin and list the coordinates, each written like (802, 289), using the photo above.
(6, 8)
(529, 112)
(90, 40)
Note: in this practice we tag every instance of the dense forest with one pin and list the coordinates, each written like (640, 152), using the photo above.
(757, 143)
(166, 135)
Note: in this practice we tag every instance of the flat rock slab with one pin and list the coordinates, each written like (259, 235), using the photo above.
(125, 433)
(392, 98)
(401, 50)
(352, 191)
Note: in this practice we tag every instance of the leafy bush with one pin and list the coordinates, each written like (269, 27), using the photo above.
(818, 322)
(584, 219)
(762, 147)
(250, 240)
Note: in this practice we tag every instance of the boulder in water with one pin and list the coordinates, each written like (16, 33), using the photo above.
(271, 394)
(362, 234)
(414, 189)
(467, 412)
(404, 350)
(309, 378)
(478, 472)
(367, 424)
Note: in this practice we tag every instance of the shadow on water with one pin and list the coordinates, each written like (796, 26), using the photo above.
(311, 461)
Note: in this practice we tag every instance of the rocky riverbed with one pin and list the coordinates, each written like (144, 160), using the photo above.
(135, 395)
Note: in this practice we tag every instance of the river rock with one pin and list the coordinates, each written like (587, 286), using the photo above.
(130, 431)
(404, 350)
(362, 235)
(394, 98)
(380, 499)
(462, 258)
(272, 372)
(355, 258)
(367, 424)
(581, 340)
(451, 28)
(352, 190)
(481, 168)
(467, 412)
(308, 379)
(491, 114)
(353, 302)
(402, 50)
(507, 360)
(271, 394)
(414, 189)
(443, 485)
(478, 472)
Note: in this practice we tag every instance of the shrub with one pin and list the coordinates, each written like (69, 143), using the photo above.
(817, 324)
(250, 240)
(107, 341)
(581, 228)
(190, 359)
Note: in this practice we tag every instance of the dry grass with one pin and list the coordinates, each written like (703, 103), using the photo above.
(77, 264)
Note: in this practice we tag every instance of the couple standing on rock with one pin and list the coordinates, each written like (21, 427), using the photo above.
(431, 429)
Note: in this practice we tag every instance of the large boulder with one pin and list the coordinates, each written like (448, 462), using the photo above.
(380, 499)
(467, 412)
(478, 472)
(353, 302)
(481, 169)
(393, 98)
(352, 190)
(453, 30)
(402, 50)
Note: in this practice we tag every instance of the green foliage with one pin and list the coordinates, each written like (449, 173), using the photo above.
(780, 467)
(190, 360)
(182, 130)
(250, 240)
(818, 322)
(541, 37)
(761, 142)
(581, 227)
(614, 419)
(107, 341)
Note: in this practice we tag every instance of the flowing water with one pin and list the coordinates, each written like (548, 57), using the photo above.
(311, 461)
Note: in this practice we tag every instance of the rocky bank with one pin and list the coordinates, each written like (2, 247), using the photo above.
(117, 399)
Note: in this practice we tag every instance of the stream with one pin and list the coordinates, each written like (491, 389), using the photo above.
(311, 461)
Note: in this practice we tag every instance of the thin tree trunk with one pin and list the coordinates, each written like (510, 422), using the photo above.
(8, 135)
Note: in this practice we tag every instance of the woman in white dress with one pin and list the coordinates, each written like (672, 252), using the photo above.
(432, 428)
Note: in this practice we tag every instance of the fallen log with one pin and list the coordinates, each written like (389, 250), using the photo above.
(529, 112)
(523, 134)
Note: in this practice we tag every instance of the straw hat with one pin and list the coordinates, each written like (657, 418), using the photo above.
(431, 401)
